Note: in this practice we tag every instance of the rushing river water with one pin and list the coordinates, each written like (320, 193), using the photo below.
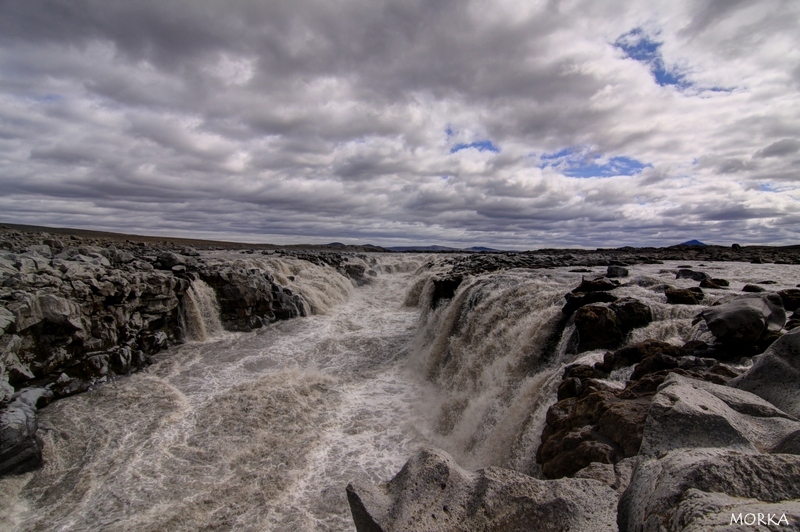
(263, 430)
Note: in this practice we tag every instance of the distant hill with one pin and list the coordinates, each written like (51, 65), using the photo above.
(692, 243)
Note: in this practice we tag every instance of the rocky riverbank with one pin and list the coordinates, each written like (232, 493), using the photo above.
(699, 436)
(648, 435)
(77, 312)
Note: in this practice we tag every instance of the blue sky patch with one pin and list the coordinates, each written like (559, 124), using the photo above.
(641, 47)
(480, 145)
(580, 162)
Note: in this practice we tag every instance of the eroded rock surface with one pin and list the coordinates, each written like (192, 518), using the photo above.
(432, 493)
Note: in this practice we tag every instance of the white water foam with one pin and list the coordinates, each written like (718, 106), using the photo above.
(252, 431)
(263, 430)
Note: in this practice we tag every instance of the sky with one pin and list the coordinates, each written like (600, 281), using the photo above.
(509, 124)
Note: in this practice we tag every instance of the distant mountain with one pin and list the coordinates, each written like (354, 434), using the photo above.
(692, 243)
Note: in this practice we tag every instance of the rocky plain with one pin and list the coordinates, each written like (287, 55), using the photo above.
(699, 436)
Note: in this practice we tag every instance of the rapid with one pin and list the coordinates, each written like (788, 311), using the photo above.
(263, 430)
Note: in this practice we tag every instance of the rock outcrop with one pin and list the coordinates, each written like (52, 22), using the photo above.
(433, 493)
(710, 456)
(77, 313)
(775, 376)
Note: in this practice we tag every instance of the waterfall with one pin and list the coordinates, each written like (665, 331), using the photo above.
(485, 350)
(201, 312)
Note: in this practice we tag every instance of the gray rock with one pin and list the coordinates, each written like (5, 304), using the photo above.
(684, 296)
(432, 493)
(775, 376)
(691, 274)
(744, 320)
(616, 271)
(7, 319)
(20, 448)
(691, 414)
(700, 489)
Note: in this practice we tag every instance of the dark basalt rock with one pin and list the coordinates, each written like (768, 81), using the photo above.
(606, 327)
(790, 298)
(775, 376)
(598, 327)
(616, 271)
(576, 301)
(691, 274)
(592, 422)
(753, 288)
(743, 322)
(248, 299)
(714, 283)
(684, 296)
(595, 285)
(444, 289)
(631, 314)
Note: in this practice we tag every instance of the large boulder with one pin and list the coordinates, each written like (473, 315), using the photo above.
(690, 414)
(20, 447)
(606, 327)
(598, 328)
(686, 273)
(711, 489)
(705, 460)
(775, 376)
(743, 321)
(684, 296)
(432, 493)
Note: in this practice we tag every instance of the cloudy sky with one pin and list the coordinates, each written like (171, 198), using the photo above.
(516, 124)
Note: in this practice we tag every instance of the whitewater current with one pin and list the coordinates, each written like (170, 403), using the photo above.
(263, 430)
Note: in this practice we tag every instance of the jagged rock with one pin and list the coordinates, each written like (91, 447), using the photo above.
(691, 274)
(706, 489)
(598, 327)
(793, 322)
(635, 353)
(743, 321)
(444, 289)
(775, 376)
(601, 425)
(631, 314)
(7, 320)
(690, 414)
(790, 298)
(167, 260)
(432, 493)
(616, 271)
(684, 296)
(615, 476)
(249, 299)
(701, 459)
(606, 327)
(20, 447)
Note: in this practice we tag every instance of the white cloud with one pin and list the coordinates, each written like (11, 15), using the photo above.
(266, 120)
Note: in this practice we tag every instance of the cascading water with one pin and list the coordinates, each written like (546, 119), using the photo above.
(263, 430)
(253, 431)
(496, 350)
(201, 312)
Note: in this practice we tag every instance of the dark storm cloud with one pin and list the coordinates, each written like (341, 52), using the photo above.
(367, 120)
